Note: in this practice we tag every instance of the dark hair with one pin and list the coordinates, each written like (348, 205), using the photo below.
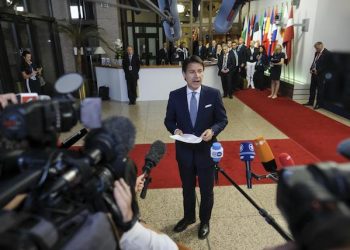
(264, 50)
(192, 59)
(26, 52)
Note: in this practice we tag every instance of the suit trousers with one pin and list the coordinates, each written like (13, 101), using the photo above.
(226, 81)
(317, 84)
(250, 73)
(206, 183)
(131, 82)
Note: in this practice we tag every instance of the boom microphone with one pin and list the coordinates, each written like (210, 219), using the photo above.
(171, 27)
(247, 155)
(286, 160)
(227, 13)
(344, 148)
(265, 154)
(152, 158)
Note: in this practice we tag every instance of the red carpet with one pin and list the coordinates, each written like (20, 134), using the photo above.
(166, 174)
(317, 133)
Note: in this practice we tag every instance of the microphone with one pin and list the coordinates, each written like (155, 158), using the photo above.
(344, 148)
(226, 14)
(286, 160)
(216, 153)
(265, 154)
(152, 158)
(171, 26)
(247, 154)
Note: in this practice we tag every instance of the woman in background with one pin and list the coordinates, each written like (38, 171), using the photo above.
(30, 73)
(260, 67)
(275, 71)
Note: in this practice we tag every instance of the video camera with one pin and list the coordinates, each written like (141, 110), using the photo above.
(67, 193)
(315, 201)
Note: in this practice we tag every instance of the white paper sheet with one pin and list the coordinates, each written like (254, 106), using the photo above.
(188, 138)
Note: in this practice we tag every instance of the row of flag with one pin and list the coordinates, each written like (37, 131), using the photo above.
(268, 33)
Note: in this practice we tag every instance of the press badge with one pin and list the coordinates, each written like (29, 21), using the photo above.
(130, 68)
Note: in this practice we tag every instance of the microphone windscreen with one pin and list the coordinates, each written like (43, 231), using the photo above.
(265, 154)
(172, 32)
(156, 152)
(286, 160)
(122, 130)
(344, 148)
(227, 13)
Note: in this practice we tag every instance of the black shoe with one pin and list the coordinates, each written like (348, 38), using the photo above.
(132, 103)
(317, 106)
(203, 231)
(230, 97)
(183, 224)
(224, 96)
(307, 104)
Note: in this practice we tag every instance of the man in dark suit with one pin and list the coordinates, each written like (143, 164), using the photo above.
(195, 109)
(242, 55)
(227, 67)
(131, 66)
(201, 50)
(318, 69)
(235, 77)
(212, 50)
(163, 55)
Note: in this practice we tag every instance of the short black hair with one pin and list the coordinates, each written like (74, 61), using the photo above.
(192, 59)
(26, 52)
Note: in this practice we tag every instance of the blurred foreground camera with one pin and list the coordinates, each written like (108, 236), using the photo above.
(315, 199)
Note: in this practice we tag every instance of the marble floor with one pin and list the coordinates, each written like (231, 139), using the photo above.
(235, 223)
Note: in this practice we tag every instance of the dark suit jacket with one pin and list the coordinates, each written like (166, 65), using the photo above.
(202, 53)
(135, 64)
(162, 55)
(242, 54)
(252, 55)
(211, 52)
(211, 114)
(322, 63)
(231, 63)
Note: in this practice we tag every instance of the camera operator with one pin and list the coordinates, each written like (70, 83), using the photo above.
(138, 236)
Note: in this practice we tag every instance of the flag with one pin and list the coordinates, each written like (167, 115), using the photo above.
(274, 33)
(262, 27)
(256, 30)
(248, 31)
(269, 35)
(284, 20)
(251, 29)
(289, 36)
(266, 31)
(245, 28)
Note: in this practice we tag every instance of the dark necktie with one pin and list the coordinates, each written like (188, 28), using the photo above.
(193, 108)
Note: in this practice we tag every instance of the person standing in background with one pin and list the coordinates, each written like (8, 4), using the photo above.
(163, 55)
(218, 51)
(131, 66)
(212, 50)
(227, 66)
(235, 73)
(201, 51)
(30, 73)
(261, 65)
(195, 109)
(242, 55)
(182, 52)
(252, 54)
(317, 71)
(276, 63)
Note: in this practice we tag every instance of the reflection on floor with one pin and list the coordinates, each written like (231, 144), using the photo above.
(236, 224)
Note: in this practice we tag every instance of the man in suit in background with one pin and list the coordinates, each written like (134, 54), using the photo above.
(212, 50)
(201, 51)
(318, 69)
(227, 67)
(131, 66)
(163, 55)
(242, 55)
(235, 78)
(195, 109)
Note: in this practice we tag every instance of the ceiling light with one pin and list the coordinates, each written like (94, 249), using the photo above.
(180, 8)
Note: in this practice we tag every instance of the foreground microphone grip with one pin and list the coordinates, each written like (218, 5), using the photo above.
(248, 173)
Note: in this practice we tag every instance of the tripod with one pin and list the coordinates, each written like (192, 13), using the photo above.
(269, 219)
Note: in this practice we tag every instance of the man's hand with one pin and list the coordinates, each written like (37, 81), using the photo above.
(5, 98)
(140, 182)
(207, 135)
(122, 196)
(178, 132)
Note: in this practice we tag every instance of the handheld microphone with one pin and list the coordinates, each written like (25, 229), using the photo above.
(265, 154)
(152, 158)
(171, 27)
(227, 13)
(247, 154)
(286, 160)
(344, 148)
(216, 153)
